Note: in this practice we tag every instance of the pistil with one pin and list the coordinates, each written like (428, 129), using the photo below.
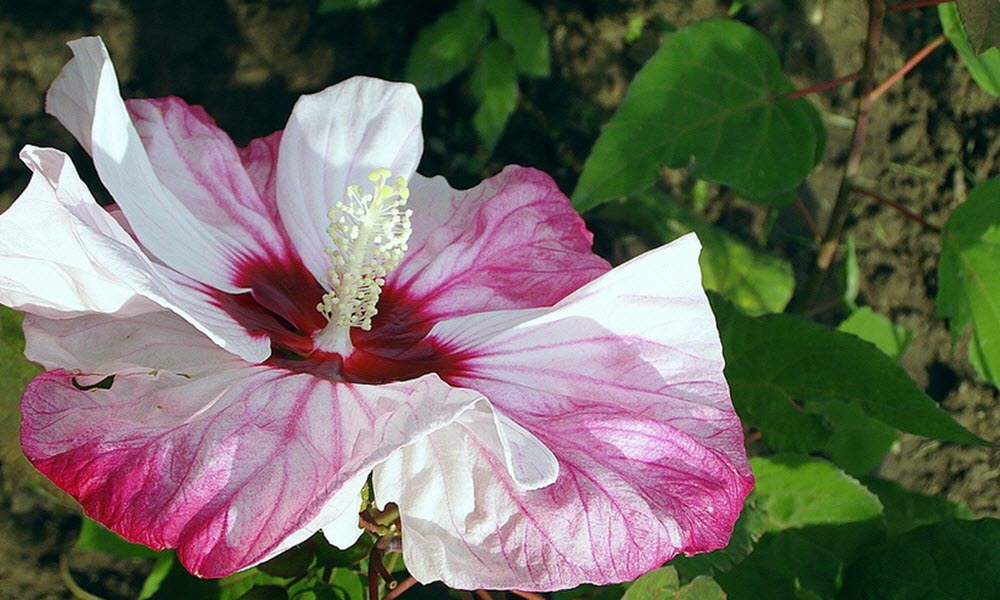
(369, 232)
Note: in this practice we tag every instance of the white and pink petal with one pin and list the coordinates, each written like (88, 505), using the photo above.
(336, 138)
(622, 381)
(227, 467)
(86, 99)
(513, 241)
(62, 255)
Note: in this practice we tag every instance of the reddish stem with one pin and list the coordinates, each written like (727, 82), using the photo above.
(397, 591)
(897, 206)
(914, 4)
(841, 207)
(527, 595)
(807, 217)
(483, 595)
(906, 68)
(819, 87)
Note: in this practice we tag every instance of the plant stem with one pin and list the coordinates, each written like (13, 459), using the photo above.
(842, 204)
(397, 591)
(819, 87)
(897, 206)
(906, 68)
(914, 4)
(807, 217)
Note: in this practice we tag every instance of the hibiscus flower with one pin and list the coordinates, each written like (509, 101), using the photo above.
(251, 336)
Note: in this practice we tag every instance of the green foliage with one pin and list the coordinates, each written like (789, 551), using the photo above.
(757, 282)
(968, 277)
(328, 6)
(520, 27)
(458, 39)
(94, 536)
(985, 67)
(981, 19)
(801, 563)
(879, 330)
(447, 46)
(494, 85)
(731, 125)
(661, 583)
(751, 525)
(905, 510)
(775, 363)
(950, 560)
(795, 490)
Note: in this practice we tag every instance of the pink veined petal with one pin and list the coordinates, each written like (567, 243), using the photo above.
(228, 465)
(623, 382)
(85, 98)
(513, 241)
(334, 139)
(201, 166)
(260, 159)
(62, 255)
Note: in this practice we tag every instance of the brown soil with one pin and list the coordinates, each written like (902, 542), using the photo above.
(247, 60)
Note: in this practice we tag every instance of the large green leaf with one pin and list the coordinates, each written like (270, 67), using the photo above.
(447, 46)
(951, 560)
(981, 19)
(985, 67)
(905, 510)
(519, 24)
(710, 98)
(781, 360)
(494, 85)
(857, 443)
(795, 490)
(804, 563)
(969, 276)
(754, 280)
(658, 584)
(879, 330)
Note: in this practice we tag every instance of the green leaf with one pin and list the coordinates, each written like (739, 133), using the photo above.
(591, 592)
(447, 46)
(701, 588)
(985, 68)
(968, 277)
(157, 575)
(519, 24)
(754, 280)
(15, 374)
(494, 85)
(906, 510)
(802, 563)
(857, 442)
(748, 529)
(328, 6)
(265, 592)
(981, 19)
(293, 562)
(784, 359)
(710, 98)
(795, 490)
(879, 330)
(94, 536)
(661, 583)
(348, 583)
(951, 560)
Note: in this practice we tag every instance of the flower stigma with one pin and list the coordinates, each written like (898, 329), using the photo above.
(369, 232)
